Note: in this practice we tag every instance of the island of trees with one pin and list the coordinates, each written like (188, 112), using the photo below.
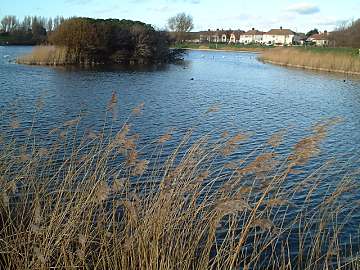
(90, 41)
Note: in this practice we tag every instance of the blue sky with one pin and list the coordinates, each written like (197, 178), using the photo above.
(234, 14)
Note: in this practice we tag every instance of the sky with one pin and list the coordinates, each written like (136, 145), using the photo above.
(300, 16)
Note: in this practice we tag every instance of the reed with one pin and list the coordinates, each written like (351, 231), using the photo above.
(329, 61)
(99, 203)
(45, 55)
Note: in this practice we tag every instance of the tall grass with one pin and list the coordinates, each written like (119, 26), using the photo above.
(99, 203)
(46, 55)
(322, 59)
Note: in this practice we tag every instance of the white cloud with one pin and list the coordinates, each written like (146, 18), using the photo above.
(304, 8)
(160, 9)
(185, 1)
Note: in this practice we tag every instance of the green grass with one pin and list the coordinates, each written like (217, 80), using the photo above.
(187, 45)
(13, 40)
(5, 38)
(344, 51)
(220, 46)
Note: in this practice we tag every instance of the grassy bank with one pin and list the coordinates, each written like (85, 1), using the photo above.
(16, 40)
(221, 47)
(99, 203)
(339, 60)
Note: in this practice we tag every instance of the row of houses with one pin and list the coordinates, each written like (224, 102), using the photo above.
(277, 37)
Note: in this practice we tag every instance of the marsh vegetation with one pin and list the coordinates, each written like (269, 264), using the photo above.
(94, 200)
(332, 60)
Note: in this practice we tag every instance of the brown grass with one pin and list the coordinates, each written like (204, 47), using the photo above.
(100, 204)
(327, 61)
(45, 55)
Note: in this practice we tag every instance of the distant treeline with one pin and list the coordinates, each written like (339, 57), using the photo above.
(31, 30)
(348, 35)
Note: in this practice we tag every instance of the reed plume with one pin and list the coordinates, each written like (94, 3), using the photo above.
(100, 203)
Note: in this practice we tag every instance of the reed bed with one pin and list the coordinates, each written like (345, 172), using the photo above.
(307, 59)
(45, 55)
(99, 203)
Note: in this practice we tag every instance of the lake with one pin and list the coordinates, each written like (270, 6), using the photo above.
(252, 97)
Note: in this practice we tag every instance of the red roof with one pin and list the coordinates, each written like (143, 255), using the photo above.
(280, 32)
(253, 32)
(319, 37)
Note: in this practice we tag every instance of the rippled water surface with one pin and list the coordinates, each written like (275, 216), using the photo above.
(252, 97)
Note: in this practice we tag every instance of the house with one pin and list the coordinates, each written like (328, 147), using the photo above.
(279, 37)
(215, 37)
(300, 39)
(235, 36)
(209, 36)
(204, 36)
(193, 37)
(320, 40)
(224, 37)
(252, 36)
(218, 36)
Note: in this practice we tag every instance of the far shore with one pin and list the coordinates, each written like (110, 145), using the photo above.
(335, 60)
(255, 50)
(311, 68)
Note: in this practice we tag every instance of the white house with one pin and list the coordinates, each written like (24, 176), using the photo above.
(232, 38)
(218, 36)
(321, 39)
(251, 36)
(279, 37)
(235, 36)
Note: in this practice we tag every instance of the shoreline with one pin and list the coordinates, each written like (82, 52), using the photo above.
(310, 68)
(224, 50)
(328, 70)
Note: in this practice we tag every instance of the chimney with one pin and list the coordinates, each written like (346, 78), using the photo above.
(325, 33)
(280, 27)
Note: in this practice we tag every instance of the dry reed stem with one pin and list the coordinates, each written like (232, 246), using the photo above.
(45, 55)
(100, 206)
(330, 62)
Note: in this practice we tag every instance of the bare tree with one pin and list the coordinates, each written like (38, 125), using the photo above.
(9, 23)
(347, 35)
(49, 25)
(180, 25)
(26, 23)
(13, 23)
(4, 24)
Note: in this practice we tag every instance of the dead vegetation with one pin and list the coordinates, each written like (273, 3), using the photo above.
(307, 59)
(97, 203)
(45, 55)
